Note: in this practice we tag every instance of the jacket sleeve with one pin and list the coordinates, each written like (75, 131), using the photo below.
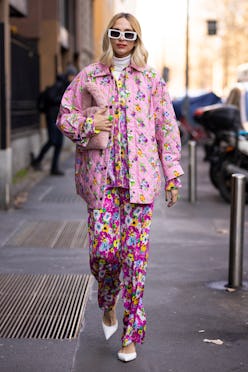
(167, 132)
(74, 119)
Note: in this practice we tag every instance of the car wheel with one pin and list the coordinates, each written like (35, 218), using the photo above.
(214, 174)
(225, 182)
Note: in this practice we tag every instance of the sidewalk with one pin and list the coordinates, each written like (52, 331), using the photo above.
(188, 261)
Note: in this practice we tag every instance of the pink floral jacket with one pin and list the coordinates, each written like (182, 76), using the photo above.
(152, 132)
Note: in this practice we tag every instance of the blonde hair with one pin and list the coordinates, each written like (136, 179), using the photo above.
(139, 53)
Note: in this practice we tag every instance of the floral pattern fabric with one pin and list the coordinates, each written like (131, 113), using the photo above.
(119, 240)
(152, 133)
(118, 174)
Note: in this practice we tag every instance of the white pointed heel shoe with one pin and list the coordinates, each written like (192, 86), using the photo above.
(109, 330)
(124, 357)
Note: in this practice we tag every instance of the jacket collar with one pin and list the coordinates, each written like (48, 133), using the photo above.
(137, 68)
(103, 70)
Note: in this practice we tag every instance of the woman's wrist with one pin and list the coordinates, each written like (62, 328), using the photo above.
(172, 184)
(89, 126)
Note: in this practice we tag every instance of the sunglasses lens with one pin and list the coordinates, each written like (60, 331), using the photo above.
(115, 34)
(130, 35)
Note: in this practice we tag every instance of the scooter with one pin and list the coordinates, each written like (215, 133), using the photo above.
(234, 161)
(227, 150)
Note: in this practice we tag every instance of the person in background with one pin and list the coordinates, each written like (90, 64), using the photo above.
(120, 183)
(49, 103)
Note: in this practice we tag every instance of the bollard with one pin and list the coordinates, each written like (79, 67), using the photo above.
(236, 239)
(192, 172)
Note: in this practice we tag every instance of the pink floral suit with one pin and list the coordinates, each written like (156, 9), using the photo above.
(120, 183)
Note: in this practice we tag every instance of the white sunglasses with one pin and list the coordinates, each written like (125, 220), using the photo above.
(127, 35)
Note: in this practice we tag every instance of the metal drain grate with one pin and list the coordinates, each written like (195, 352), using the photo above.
(51, 234)
(73, 235)
(42, 306)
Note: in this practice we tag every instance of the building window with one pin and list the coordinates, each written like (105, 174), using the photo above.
(211, 27)
(25, 82)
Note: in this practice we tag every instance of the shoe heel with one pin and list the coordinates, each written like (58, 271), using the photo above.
(127, 357)
(109, 330)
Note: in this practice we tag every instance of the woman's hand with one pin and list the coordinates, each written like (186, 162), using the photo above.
(102, 120)
(171, 197)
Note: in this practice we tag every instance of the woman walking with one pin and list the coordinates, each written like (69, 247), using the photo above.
(128, 100)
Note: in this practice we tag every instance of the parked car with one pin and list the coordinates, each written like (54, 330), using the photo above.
(227, 124)
(189, 128)
(238, 97)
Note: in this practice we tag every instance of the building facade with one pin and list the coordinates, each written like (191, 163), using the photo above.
(39, 38)
(216, 54)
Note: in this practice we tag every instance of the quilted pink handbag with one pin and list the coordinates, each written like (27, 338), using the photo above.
(100, 140)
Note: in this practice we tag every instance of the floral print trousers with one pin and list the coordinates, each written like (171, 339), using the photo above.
(119, 242)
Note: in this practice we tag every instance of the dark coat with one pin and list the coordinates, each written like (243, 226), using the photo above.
(50, 99)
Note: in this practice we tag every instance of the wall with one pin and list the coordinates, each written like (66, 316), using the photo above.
(103, 10)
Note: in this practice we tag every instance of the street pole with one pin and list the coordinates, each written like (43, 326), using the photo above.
(187, 52)
(5, 149)
(192, 182)
(236, 239)
(186, 100)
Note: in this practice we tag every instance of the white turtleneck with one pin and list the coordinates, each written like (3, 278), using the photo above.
(119, 64)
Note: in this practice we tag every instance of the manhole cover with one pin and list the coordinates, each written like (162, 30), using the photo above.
(42, 306)
(223, 285)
